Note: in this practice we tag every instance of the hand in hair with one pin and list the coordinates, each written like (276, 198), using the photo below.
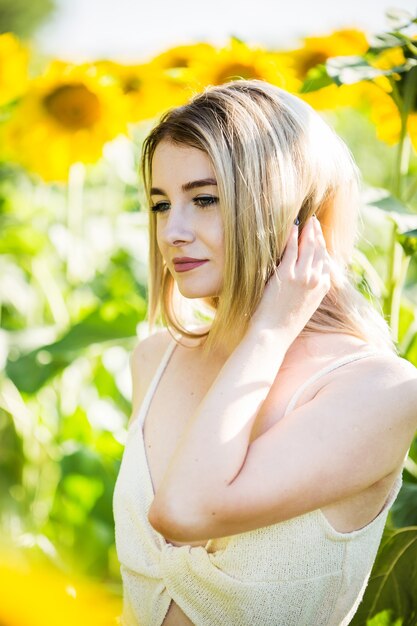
(296, 289)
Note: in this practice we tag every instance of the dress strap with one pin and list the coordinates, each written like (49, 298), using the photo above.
(153, 384)
(325, 370)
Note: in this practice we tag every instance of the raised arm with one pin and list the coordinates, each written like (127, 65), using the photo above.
(214, 445)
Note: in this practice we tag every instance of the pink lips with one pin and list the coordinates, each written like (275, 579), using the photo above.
(184, 264)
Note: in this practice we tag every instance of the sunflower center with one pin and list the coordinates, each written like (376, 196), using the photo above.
(180, 62)
(235, 70)
(313, 59)
(73, 106)
(133, 83)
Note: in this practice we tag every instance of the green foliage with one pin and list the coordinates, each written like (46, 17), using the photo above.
(113, 320)
(392, 587)
(73, 294)
(404, 510)
(22, 17)
(71, 319)
(384, 619)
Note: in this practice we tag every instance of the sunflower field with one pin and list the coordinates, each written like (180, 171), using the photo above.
(73, 294)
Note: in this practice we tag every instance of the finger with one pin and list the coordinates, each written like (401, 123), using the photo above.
(306, 250)
(289, 258)
(320, 250)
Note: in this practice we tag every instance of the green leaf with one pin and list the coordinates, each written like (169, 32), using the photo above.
(397, 211)
(391, 39)
(316, 78)
(404, 509)
(408, 240)
(392, 584)
(350, 69)
(398, 18)
(389, 203)
(347, 70)
(113, 320)
(411, 353)
(84, 490)
(384, 619)
(22, 239)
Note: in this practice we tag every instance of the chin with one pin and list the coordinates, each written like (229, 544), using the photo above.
(194, 294)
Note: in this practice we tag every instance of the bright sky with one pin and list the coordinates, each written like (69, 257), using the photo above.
(129, 30)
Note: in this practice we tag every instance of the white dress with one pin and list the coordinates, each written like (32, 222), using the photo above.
(300, 572)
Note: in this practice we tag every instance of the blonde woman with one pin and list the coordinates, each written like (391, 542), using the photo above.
(267, 438)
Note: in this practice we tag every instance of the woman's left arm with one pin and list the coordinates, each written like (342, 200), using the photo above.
(218, 485)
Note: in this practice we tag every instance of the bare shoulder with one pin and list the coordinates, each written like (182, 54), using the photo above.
(386, 384)
(391, 373)
(150, 349)
(144, 361)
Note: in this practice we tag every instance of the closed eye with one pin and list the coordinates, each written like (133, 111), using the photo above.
(202, 201)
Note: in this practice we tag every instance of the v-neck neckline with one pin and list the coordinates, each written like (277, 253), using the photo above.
(147, 401)
(146, 405)
(139, 422)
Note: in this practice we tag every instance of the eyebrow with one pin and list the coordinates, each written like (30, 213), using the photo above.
(204, 182)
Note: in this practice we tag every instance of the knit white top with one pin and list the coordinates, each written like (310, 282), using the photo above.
(300, 572)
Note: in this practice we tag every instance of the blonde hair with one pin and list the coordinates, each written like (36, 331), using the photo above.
(274, 159)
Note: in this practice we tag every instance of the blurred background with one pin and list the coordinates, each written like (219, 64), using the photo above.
(81, 84)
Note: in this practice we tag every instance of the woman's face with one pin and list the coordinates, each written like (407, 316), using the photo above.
(189, 223)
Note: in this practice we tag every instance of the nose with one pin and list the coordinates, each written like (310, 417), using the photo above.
(176, 228)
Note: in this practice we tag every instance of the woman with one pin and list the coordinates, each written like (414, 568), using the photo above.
(257, 490)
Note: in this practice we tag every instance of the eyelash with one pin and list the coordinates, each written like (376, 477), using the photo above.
(207, 201)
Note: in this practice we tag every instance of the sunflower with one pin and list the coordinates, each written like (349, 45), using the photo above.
(239, 60)
(50, 597)
(385, 96)
(14, 59)
(187, 63)
(386, 116)
(316, 51)
(147, 88)
(174, 76)
(67, 116)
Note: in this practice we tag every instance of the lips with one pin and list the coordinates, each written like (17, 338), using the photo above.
(183, 264)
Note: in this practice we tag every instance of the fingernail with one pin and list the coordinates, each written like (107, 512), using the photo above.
(297, 221)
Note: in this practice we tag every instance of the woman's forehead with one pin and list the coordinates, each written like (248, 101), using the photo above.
(182, 163)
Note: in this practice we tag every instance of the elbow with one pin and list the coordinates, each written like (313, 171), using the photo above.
(163, 526)
(179, 525)
(170, 524)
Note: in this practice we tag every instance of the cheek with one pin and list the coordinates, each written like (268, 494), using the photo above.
(216, 230)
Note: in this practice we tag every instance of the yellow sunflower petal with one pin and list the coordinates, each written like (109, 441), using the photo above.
(317, 50)
(383, 112)
(149, 89)
(71, 110)
(52, 598)
(239, 60)
(14, 59)
(393, 57)
(332, 97)
(412, 129)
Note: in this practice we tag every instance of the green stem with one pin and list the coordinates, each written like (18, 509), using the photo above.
(403, 262)
(411, 191)
(405, 106)
(390, 273)
(403, 156)
(397, 274)
(75, 191)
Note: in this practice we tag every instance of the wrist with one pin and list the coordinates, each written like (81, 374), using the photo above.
(265, 333)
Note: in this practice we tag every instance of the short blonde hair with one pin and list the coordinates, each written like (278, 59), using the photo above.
(274, 159)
